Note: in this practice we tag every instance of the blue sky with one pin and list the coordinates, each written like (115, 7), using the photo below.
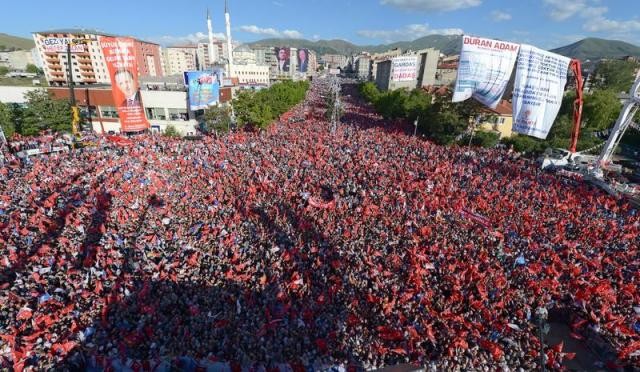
(545, 23)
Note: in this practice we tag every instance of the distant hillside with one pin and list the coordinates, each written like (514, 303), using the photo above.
(446, 45)
(8, 42)
(594, 49)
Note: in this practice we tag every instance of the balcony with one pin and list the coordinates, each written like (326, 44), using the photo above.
(89, 81)
(83, 54)
(59, 80)
(51, 54)
(57, 73)
(52, 60)
(86, 67)
(88, 73)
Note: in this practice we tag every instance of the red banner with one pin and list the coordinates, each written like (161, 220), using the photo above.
(120, 56)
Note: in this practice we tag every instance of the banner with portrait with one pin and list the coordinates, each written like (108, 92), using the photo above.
(203, 88)
(484, 70)
(303, 60)
(120, 57)
(538, 90)
(283, 59)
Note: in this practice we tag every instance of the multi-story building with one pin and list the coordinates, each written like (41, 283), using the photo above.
(87, 61)
(363, 66)
(411, 70)
(242, 54)
(181, 58)
(251, 74)
(334, 61)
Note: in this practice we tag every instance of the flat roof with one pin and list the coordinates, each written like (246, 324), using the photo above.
(87, 31)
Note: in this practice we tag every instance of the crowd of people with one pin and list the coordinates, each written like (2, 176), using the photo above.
(301, 248)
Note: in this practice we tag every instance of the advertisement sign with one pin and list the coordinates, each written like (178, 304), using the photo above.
(59, 44)
(484, 70)
(283, 56)
(303, 60)
(204, 88)
(538, 90)
(120, 57)
(404, 68)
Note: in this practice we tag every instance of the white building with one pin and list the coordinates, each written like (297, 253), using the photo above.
(179, 59)
(242, 54)
(251, 74)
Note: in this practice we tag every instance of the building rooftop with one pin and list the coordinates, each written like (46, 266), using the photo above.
(87, 31)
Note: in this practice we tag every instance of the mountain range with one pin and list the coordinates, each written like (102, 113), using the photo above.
(9, 42)
(590, 49)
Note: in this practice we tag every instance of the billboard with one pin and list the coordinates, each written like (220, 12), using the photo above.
(538, 90)
(59, 44)
(120, 57)
(204, 88)
(283, 58)
(404, 68)
(484, 70)
(303, 60)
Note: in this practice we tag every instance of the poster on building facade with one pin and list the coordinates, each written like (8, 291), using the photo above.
(204, 88)
(541, 77)
(120, 57)
(283, 58)
(404, 68)
(303, 60)
(59, 44)
(484, 70)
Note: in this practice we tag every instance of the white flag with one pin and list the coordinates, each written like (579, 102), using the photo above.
(538, 90)
(484, 70)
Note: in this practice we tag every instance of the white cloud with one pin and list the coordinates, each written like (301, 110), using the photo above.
(432, 5)
(594, 16)
(409, 32)
(290, 34)
(499, 16)
(186, 39)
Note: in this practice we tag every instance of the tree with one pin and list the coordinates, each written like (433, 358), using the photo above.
(6, 120)
(171, 131)
(369, 92)
(482, 138)
(525, 144)
(217, 119)
(43, 112)
(416, 104)
(601, 109)
(4, 70)
(615, 75)
(33, 69)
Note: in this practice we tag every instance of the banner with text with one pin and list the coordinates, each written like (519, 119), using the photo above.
(204, 88)
(404, 68)
(59, 44)
(120, 56)
(484, 70)
(538, 90)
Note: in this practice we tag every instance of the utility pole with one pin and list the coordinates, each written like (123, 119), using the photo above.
(72, 95)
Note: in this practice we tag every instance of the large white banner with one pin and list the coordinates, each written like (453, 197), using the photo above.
(404, 68)
(59, 44)
(538, 90)
(484, 70)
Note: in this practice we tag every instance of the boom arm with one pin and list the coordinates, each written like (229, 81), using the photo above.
(624, 120)
(577, 104)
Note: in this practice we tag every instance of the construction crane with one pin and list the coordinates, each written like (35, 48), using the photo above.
(625, 120)
(576, 68)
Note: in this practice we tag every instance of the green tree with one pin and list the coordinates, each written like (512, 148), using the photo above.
(525, 144)
(482, 138)
(171, 131)
(601, 109)
(217, 119)
(4, 70)
(391, 105)
(416, 104)
(43, 112)
(33, 69)
(615, 75)
(6, 120)
(369, 92)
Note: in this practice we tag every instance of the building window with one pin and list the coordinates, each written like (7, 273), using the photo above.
(156, 113)
(108, 112)
(178, 114)
(90, 111)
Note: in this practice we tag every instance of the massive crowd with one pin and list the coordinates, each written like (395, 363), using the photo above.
(299, 249)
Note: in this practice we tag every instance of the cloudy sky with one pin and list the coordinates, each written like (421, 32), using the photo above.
(545, 23)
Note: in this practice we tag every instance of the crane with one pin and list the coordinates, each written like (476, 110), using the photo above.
(629, 110)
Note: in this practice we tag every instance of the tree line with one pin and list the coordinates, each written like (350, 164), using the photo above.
(447, 123)
(41, 112)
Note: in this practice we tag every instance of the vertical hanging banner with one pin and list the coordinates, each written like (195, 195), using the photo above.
(484, 70)
(204, 88)
(538, 90)
(120, 56)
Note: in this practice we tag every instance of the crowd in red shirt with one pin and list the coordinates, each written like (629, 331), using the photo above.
(300, 249)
